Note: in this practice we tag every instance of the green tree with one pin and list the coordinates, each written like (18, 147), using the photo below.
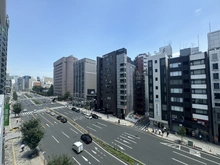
(50, 91)
(61, 160)
(37, 89)
(32, 133)
(182, 132)
(15, 96)
(17, 108)
(66, 95)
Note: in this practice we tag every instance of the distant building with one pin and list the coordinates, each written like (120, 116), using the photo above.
(84, 80)
(4, 25)
(115, 73)
(47, 82)
(214, 64)
(36, 83)
(63, 75)
(8, 84)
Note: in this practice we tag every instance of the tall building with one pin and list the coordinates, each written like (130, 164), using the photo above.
(8, 83)
(4, 25)
(115, 73)
(2, 103)
(63, 75)
(27, 83)
(84, 80)
(20, 83)
(214, 64)
(139, 83)
(47, 82)
(157, 87)
(189, 94)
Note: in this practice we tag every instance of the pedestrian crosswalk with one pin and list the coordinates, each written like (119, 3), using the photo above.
(30, 112)
(142, 127)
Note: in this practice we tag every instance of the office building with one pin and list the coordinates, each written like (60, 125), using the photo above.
(4, 25)
(139, 84)
(188, 93)
(47, 82)
(63, 75)
(84, 81)
(157, 87)
(115, 73)
(214, 64)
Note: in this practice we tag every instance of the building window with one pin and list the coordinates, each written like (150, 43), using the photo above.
(175, 82)
(176, 90)
(198, 72)
(185, 72)
(198, 91)
(199, 101)
(200, 111)
(216, 85)
(215, 76)
(198, 81)
(151, 89)
(177, 99)
(162, 61)
(214, 56)
(151, 80)
(149, 63)
(176, 73)
(156, 79)
(215, 66)
(155, 61)
(175, 65)
(157, 96)
(155, 70)
(217, 104)
(197, 62)
(151, 97)
(177, 108)
(217, 95)
(156, 87)
(164, 107)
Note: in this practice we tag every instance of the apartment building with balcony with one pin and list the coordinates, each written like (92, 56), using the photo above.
(84, 81)
(115, 72)
(63, 75)
(214, 64)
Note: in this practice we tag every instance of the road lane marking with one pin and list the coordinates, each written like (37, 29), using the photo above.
(132, 135)
(179, 161)
(84, 158)
(92, 156)
(55, 122)
(97, 126)
(37, 119)
(13, 152)
(55, 139)
(189, 157)
(102, 124)
(46, 119)
(47, 125)
(128, 139)
(94, 152)
(73, 130)
(91, 128)
(65, 135)
(123, 144)
(66, 113)
(76, 161)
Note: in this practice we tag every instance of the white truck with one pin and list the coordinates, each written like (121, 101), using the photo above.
(78, 147)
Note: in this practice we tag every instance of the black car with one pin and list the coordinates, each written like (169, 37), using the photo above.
(73, 108)
(86, 138)
(63, 120)
(77, 110)
(59, 117)
(95, 116)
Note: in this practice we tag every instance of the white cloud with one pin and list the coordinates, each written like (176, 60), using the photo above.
(198, 11)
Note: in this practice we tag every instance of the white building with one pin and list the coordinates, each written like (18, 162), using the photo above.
(47, 82)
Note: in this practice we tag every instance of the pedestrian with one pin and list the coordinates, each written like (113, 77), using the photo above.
(17, 120)
(22, 147)
(168, 133)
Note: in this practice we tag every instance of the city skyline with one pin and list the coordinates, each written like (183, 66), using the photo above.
(48, 30)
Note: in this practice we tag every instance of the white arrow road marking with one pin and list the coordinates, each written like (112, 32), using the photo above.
(47, 125)
(97, 126)
(65, 135)
(92, 156)
(128, 139)
(91, 128)
(179, 161)
(132, 135)
(102, 124)
(55, 139)
(55, 122)
(121, 147)
(84, 158)
(123, 144)
(76, 161)
(74, 130)
(94, 152)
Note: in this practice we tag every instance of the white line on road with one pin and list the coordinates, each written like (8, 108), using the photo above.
(128, 139)
(55, 122)
(66, 113)
(188, 157)
(55, 139)
(132, 135)
(123, 144)
(65, 135)
(47, 125)
(179, 161)
(92, 156)
(73, 130)
(97, 126)
(121, 147)
(102, 124)
(84, 158)
(76, 161)
(91, 128)
(94, 152)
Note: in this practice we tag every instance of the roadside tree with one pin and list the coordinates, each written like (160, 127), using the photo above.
(17, 108)
(15, 96)
(182, 132)
(61, 160)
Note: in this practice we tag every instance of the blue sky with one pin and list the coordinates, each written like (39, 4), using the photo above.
(42, 31)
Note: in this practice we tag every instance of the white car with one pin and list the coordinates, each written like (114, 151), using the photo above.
(52, 114)
(88, 116)
(47, 111)
(35, 111)
(24, 110)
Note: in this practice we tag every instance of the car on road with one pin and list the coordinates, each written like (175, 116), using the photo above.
(73, 108)
(77, 110)
(24, 110)
(59, 117)
(95, 116)
(78, 147)
(83, 112)
(35, 111)
(63, 120)
(86, 138)
(52, 114)
(47, 111)
(88, 116)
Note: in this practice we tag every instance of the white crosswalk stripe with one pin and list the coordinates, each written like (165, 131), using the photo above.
(30, 112)
(142, 127)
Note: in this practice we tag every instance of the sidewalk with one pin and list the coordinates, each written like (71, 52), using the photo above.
(12, 145)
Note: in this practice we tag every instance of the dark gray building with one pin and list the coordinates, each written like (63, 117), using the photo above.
(115, 72)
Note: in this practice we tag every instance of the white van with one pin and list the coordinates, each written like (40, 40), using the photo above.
(78, 147)
(88, 116)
